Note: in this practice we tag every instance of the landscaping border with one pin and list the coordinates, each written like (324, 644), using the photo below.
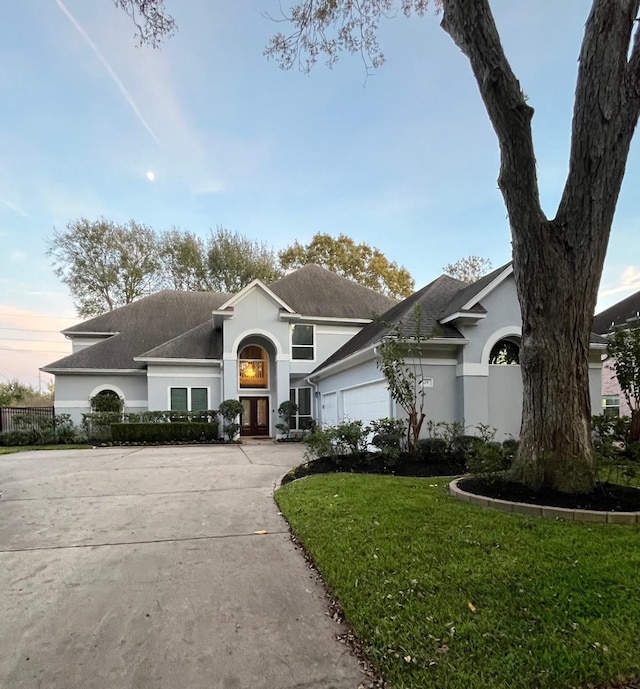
(530, 510)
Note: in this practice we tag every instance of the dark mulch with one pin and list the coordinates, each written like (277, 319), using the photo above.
(608, 497)
(374, 464)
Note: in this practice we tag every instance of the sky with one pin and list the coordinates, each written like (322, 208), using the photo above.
(207, 132)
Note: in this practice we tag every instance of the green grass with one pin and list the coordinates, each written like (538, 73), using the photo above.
(28, 448)
(444, 594)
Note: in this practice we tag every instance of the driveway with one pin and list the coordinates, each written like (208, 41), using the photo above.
(144, 568)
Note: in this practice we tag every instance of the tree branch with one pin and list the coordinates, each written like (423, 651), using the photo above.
(472, 27)
(605, 115)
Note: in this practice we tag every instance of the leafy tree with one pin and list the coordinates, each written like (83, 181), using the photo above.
(469, 269)
(624, 347)
(557, 261)
(105, 265)
(359, 262)
(400, 358)
(183, 259)
(10, 393)
(235, 261)
(16, 394)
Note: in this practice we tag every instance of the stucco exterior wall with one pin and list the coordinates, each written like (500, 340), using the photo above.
(505, 400)
(162, 377)
(73, 392)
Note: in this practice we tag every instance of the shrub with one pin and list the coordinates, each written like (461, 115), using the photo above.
(433, 450)
(286, 410)
(230, 410)
(97, 425)
(164, 432)
(390, 437)
(347, 438)
(487, 458)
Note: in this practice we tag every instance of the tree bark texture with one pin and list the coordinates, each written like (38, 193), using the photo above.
(558, 263)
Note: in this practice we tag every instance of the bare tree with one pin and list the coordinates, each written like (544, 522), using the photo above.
(151, 20)
(468, 269)
(557, 261)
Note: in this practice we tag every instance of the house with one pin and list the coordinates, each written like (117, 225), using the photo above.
(311, 337)
(468, 368)
(192, 350)
(620, 315)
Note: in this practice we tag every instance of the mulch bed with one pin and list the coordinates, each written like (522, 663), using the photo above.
(607, 497)
(374, 464)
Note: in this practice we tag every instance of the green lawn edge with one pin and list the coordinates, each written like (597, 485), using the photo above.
(28, 448)
(445, 594)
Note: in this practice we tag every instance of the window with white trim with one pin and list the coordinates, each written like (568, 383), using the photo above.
(611, 405)
(302, 398)
(303, 342)
(189, 399)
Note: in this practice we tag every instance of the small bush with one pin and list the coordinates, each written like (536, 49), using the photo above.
(347, 438)
(390, 437)
(433, 450)
(487, 458)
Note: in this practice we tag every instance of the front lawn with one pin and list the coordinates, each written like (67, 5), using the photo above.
(28, 448)
(444, 594)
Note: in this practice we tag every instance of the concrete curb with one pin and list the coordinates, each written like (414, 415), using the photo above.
(542, 510)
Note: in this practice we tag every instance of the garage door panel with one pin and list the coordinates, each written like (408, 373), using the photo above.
(367, 402)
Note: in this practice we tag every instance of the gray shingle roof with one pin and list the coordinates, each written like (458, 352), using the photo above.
(142, 326)
(314, 291)
(431, 300)
(203, 342)
(179, 325)
(618, 314)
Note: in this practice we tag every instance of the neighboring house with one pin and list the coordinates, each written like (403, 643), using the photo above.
(474, 331)
(310, 337)
(620, 315)
(192, 350)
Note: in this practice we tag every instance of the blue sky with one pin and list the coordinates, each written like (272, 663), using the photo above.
(405, 160)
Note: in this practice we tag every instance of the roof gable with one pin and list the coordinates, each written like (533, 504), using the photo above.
(256, 285)
(468, 298)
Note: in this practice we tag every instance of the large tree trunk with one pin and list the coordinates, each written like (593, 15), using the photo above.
(555, 438)
(558, 263)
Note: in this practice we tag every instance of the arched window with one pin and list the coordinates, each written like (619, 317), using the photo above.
(253, 366)
(506, 352)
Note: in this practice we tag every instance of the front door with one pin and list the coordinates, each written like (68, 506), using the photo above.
(255, 416)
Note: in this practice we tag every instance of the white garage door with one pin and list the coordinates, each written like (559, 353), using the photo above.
(330, 409)
(367, 402)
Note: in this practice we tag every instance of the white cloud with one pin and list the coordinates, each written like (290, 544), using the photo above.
(17, 256)
(626, 282)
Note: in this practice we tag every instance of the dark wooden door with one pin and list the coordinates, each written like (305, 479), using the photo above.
(255, 416)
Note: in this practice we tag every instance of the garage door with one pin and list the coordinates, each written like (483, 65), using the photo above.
(330, 409)
(367, 402)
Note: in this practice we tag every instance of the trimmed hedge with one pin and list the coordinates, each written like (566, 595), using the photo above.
(163, 432)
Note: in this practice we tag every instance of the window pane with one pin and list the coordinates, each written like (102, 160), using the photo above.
(178, 399)
(199, 399)
(302, 335)
(302, 353)
(304, 401)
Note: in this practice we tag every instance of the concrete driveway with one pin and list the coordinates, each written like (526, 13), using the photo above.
(141, 568)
